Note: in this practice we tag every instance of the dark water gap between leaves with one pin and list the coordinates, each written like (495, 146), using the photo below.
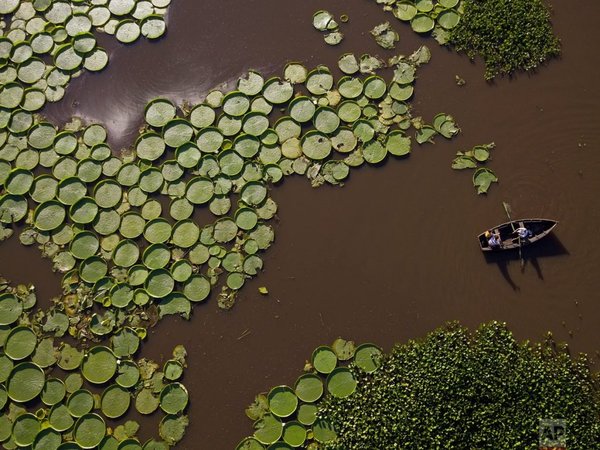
(392, 254)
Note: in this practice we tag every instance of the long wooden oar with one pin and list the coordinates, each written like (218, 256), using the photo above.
(508, 211)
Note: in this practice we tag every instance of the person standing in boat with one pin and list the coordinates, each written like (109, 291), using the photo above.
(493, 239)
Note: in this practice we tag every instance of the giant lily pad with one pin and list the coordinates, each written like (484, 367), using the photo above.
(268, 429)
(25, 382)
(20, 343)
(173, 398)
(115, 401)
(89, 431)
(99, 365)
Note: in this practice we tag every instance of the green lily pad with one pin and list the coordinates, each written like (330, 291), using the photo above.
(20, 343)
(173, 370)
(115, 401)
(159, 283)
(80, 403)
(185, 233)
(12, 208)
(309, 388)
(126, 342)
(282, 401)
(59, 418)
(324, 359)
(173, 398)
(83, 211)
(422, 23)
(53, 392)
(25, 382)
(126, 253)
(374, 152)
(93, 269)
(128, 374)
(448, 19)
(70, 358)
(316, 145)
(89, 431)
(277, 91)
(197, 288)
(268, 429)
(10, 309)
(47, 439)
(405, 11)
(368, 357)
(84, 245)
(250, 444)
(25, 429)
(99, 365)
(307, 414)
(294, 433)
(341, 383)
(49, 216)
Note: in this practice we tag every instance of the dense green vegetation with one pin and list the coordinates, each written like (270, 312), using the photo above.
(510, 35)
(462, 390)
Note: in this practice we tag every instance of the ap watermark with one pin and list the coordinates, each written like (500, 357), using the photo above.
(553, 434)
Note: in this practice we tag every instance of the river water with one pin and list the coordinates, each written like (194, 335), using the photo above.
(392, 254)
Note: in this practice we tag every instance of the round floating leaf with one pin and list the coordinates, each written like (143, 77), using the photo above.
(368, 357)
(374, 152)
(253, 193)
(319, 81)
(150, 146)
(197, 288)
(80, 403)
(481, 154)
(115, 401)
(93, 269)
(448, 19)
(422, 23)
(83, 211)
(84, 245)
(10, 309)
(375, 87)
(177, 132)
(341, 383)
(128, 374)
(324, 359)
(405, 11)
(49, 215)
(19, 181)
(316, 145)
(277, 91)
(199, 190)
(185, 233)
(126, 342)
(251, 84)
(349, 111)
(54, 391)
(348, 63)
(59, 417)
(70, 358)
(25, 382)
(157, 231)
(153, 27)
(20, 343)
(294, 434)
(89, 431)
(6, 365)
(307, 414)
(25, 429)
(126, 253)
(326, 120)
(99, 365)
(323, 431)
(397, 144)
(159, 283)
(282, 401)
(47, 439)
(173, 398)
(44, 355)
(173, 370)
(309, 388)
(268, 429)
(483, 178)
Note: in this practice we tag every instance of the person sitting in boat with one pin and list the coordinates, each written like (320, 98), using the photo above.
(493, 239)
(524, 233)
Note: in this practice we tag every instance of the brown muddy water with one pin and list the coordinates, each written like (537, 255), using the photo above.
(393, 254)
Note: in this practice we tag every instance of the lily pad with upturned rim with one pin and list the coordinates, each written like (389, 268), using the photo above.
(368, 357)
(341, 383)
(324, 359)
(25, 382)
(20, 343)
(80, 403)
(49, 215)
(309, 388)
(89, 431)
(268, 429)
(115, 401)
(173, 398)
(99, 365)
(282, 401)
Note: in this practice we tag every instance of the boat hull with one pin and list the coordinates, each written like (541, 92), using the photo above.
(510, 241)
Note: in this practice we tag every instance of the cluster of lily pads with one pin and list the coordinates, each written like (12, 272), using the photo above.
(385, 36)
(45, 43)
(483, 177)
(123, 230)
(73, 391)
(287, 417)
(324, 21)
(437, 17)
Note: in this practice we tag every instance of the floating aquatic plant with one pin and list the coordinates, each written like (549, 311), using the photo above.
(509, 35)
(483, 177)
(95, 383)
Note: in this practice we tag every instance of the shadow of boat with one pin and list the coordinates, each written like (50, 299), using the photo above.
(549, 247)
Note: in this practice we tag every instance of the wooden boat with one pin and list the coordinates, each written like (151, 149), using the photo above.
(510, 240)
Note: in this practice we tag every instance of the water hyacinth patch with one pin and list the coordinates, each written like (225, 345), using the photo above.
(509, 35)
